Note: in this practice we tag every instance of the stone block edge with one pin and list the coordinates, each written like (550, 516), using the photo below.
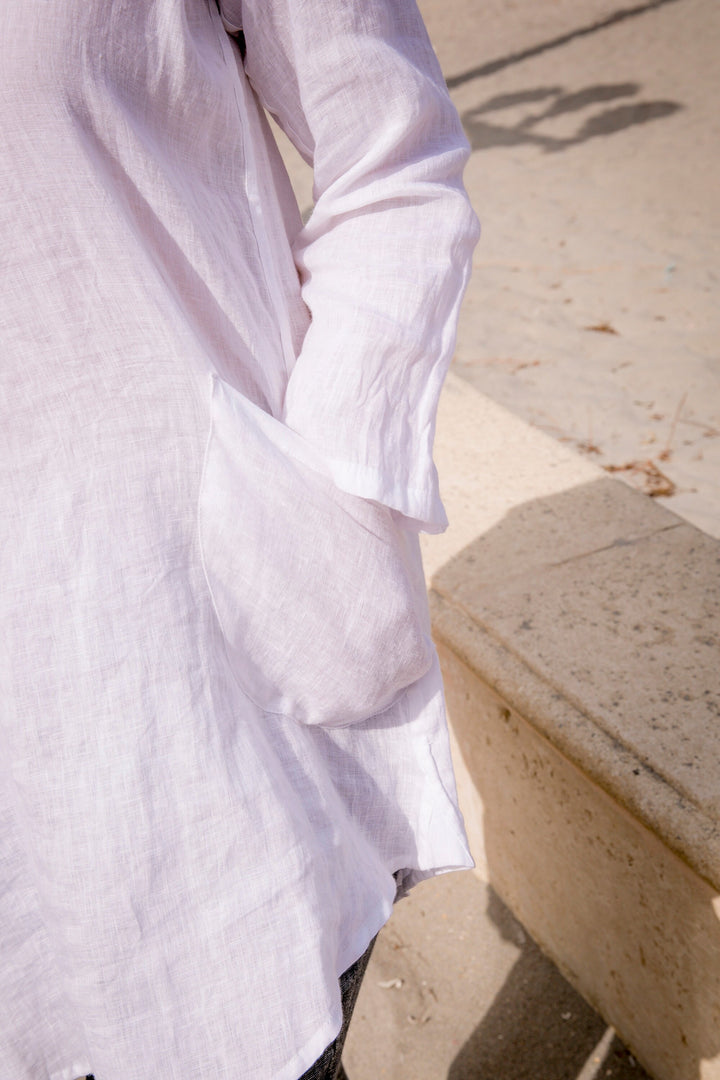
(631, 782)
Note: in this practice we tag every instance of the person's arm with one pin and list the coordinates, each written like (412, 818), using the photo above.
(386, 254)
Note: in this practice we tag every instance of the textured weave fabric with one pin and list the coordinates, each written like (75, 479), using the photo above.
(185, 871)
(329, 1065)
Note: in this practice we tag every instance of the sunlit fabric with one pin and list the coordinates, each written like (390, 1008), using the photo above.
(222, 727)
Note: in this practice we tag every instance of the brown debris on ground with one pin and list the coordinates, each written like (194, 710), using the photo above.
(645, 476)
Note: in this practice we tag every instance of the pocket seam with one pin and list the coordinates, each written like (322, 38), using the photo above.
(201, 534)
(215, 384)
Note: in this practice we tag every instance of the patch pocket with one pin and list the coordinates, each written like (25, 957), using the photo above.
(311, 585)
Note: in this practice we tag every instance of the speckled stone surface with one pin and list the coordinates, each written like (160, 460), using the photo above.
(632, 927)
(594, 611)
(577, 623)
(630, 633)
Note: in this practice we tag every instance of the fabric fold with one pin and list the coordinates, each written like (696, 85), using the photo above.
(323, 627)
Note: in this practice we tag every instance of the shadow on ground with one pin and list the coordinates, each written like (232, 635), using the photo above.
(491, 67)
(457, 990)
(484, 133)
(538, 1026)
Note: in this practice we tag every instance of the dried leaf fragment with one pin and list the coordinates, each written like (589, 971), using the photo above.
(646, 477)
(602, 328)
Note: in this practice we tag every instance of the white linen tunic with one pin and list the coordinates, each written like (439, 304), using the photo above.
(185, 869)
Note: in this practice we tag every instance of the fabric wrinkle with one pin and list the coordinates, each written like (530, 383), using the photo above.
(196, 389)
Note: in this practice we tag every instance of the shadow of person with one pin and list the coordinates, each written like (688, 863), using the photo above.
(538, 1026)
(484, 133)
(611, 121)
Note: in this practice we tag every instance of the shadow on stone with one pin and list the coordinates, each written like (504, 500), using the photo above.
(538, 1026)
(578, 637)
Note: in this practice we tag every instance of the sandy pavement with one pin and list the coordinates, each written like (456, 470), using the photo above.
(594, 310)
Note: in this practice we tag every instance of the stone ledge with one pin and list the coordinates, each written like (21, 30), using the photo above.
(592, 610)
(577, 626)
(632, 782)
(629, 924)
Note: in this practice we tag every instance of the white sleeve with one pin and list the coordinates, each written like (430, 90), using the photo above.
(386, 254)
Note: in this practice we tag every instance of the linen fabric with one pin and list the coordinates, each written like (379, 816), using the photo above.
(184, 873)
(350, 638)
(329, 1065)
